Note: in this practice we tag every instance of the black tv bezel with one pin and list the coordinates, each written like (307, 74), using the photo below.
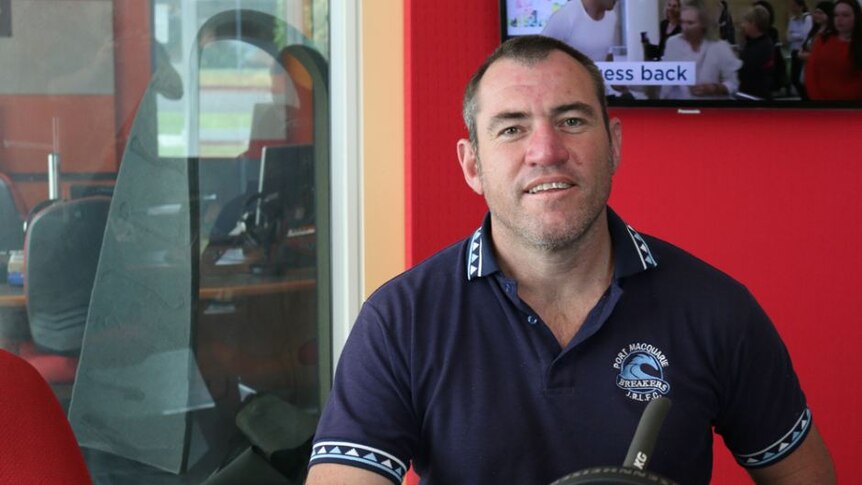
(616, 102)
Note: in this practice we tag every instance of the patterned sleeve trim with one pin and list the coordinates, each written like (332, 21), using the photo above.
(362, 456)
(780, 448)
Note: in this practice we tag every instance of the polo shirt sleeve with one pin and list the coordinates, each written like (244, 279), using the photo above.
(368, 420)
(764, 416)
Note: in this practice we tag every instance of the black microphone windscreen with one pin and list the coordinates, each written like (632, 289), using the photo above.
(640, 450)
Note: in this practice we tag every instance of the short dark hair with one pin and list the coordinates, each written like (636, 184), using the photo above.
(528, 49)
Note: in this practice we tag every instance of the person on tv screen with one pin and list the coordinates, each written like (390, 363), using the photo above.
(669, 25)
(530, 349)
(715, 62)
(726, 28)
(834, 68)
(587, 25)
(755, 75)
(821, 21)
(798, 26)
(780, 79)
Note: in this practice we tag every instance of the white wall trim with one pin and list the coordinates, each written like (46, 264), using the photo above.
(346, 166)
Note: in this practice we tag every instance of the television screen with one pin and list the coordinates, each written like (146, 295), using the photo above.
(708, 53)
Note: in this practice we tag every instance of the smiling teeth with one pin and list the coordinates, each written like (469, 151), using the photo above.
(549, 186)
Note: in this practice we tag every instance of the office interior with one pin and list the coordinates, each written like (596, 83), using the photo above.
(187, 317)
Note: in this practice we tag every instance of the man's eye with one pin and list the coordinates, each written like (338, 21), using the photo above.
(509, 131)
(573, 122)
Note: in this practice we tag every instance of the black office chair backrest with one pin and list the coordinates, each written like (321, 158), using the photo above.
(39, 207)
(62, 252)
(11, 232)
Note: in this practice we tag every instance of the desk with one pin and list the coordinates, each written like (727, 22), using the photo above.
(214, 287)
(224, 287)
(12, 296)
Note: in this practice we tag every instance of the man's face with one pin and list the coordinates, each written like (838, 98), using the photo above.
(545, 159)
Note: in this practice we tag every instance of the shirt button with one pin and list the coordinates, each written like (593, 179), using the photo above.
(532, 320)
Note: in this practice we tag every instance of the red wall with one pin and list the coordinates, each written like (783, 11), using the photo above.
(769, 196)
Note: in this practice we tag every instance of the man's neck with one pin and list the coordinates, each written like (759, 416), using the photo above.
(594, 9)
(583, 267)
(562, 286)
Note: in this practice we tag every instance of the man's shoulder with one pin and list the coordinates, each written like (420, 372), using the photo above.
(682, 269)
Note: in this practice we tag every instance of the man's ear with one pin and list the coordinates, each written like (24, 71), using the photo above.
(469, 161)
(616, 135)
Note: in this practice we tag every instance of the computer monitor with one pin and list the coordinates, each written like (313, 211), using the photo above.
(286, 185)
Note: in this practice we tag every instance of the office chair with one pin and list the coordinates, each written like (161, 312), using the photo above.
(38, 445)
(61, 251)
(39, 207)
(11, 219)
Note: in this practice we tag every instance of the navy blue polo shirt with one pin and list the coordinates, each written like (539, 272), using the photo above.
(448, 369)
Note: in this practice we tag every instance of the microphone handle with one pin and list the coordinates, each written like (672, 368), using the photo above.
(640, 450)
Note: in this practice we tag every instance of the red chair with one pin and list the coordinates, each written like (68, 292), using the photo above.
(38, 445)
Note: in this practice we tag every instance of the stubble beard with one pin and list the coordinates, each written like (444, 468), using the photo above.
(532, 233)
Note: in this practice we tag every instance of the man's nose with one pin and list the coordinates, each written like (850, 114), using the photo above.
(546, 146)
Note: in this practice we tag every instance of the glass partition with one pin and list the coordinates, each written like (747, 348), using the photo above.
(190, 341)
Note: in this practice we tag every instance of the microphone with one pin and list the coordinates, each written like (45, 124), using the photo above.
(646, 434)
(633, 471)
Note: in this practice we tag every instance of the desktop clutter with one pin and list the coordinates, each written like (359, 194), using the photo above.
(273, 229)
(270, 236)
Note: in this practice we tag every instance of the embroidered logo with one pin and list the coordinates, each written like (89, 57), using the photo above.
(641, 371)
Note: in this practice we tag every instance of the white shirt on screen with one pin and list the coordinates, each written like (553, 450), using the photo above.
(715, 62)
(572, 25)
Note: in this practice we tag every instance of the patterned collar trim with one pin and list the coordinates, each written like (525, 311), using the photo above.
(631, 251)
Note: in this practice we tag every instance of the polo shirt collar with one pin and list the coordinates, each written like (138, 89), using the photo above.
(480, 257)
(631, 253)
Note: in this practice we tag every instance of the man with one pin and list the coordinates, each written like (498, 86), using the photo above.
(587, 25)
(530, 350)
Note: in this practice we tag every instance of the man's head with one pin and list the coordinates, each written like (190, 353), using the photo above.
(527, 50)
(542, 150)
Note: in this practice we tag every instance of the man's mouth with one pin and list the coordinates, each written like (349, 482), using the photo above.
(549, 186)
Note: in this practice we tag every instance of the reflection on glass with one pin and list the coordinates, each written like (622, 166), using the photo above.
(201, 338)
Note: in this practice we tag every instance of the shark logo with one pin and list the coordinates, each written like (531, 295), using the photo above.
(641, 372)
